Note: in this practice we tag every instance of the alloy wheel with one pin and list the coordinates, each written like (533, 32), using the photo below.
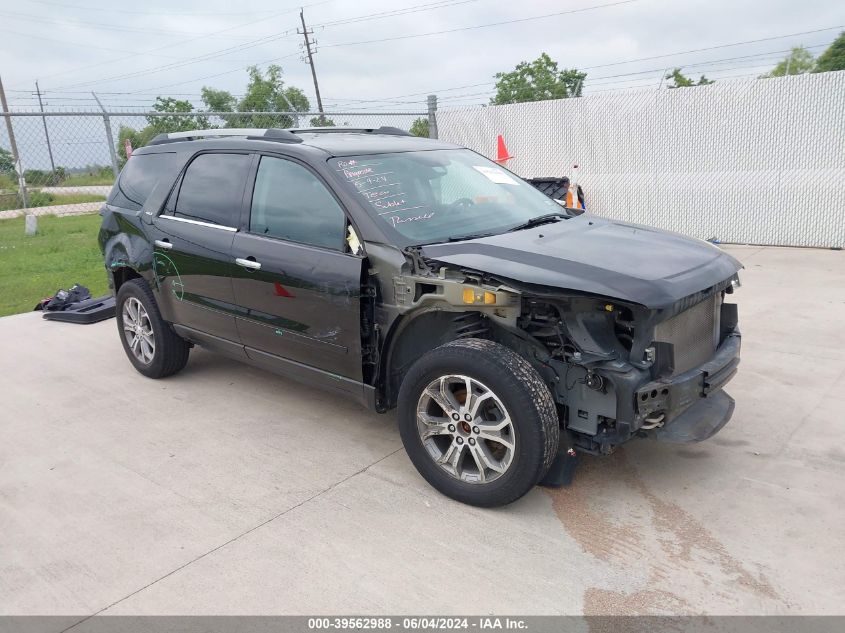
(138, 330)
(466, 429)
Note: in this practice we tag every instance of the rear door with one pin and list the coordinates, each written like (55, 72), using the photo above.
(296, 284)
(193, 251)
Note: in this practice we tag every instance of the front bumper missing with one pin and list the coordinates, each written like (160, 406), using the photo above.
(693, 405)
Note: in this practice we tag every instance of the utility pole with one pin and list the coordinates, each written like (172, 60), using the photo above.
(31, 220)
(46, 133)
(305, 33)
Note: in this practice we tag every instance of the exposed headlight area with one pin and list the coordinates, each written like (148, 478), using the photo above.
(580, 330)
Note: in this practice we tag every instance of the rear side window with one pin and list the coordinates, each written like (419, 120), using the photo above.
(139, 177)
(291, 203)
(212, 188)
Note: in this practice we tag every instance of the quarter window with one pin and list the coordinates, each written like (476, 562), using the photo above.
(291, 203)
(212, 188)
(142, 173)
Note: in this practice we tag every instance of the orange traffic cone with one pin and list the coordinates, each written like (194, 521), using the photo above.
(502, 154)
(573, 200)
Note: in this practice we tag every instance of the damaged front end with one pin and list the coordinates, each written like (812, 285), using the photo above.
(628, 325)
(618, 370)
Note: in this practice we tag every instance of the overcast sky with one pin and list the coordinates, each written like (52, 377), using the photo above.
(150, 48)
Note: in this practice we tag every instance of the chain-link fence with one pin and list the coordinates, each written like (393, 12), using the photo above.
(758, 161)
(66, 162)
(751, 161)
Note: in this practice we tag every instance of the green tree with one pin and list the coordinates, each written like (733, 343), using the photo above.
(178, 122)
(420, 127)
(137, 138)
(321, 121)
(7, 162)
(537, 81)
(218, 100)
(833, 58)
(681, 81)
(798, 62)
(179, 116)
(265, 92)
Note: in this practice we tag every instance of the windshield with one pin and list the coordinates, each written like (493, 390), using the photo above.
(434, 196)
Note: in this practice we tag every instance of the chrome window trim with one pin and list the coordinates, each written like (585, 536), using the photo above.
(232, 229)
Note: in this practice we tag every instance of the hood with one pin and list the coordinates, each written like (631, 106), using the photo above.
(586, 253)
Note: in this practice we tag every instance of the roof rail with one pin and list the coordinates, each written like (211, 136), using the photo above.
(264, 134)
(384, 129)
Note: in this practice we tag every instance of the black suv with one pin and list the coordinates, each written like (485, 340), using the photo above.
(399, 271)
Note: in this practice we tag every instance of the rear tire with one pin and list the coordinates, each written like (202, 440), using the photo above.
(506, 433)
(149, 341)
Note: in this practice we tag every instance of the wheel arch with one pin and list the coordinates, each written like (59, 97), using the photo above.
(414, 334)
(127, 256)
(121, 274)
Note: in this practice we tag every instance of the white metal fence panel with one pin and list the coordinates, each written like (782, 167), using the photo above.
(759, 161)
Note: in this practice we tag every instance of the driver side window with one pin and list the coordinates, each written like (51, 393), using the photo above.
(291, 203)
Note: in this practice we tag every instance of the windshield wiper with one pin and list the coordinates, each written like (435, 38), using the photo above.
(471, 236)
(540, 219)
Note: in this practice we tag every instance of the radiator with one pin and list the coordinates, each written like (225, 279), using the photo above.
(694, 333)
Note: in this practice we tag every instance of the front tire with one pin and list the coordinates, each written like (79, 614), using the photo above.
(478, 422)
(151, 345)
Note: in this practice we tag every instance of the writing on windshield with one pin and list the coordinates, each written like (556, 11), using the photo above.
(383, 191)
(432, 196)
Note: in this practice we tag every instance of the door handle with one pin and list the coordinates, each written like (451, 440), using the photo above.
(249, 264)
(164, 244)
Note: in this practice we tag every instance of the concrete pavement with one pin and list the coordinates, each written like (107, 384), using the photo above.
(227, 490)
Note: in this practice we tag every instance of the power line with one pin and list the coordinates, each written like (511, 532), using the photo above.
(86, 45)
(107, 9)
(441, 4)
(483, 26)
(101, 27)
(227, 72)
(184, 62)
(180, 43)
(767, 57)
(257, 42)
(711, 48)
(628, 61)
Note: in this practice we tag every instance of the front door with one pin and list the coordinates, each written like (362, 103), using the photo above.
(193, 245)
(296, 285)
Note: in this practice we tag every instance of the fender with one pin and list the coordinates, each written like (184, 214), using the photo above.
(127, 251)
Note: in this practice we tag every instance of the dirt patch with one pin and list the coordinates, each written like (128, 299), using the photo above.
(645, 602)
(591, 528)
(654, 535)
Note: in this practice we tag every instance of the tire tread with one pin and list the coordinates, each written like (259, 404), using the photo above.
(174, 349)
(532, 398)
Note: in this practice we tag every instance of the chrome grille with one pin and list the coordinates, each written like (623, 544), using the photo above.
(694, 334)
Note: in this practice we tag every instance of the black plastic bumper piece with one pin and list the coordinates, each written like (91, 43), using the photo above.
(84, 312)
(701, 421)
(562, 469)
(674, 396)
